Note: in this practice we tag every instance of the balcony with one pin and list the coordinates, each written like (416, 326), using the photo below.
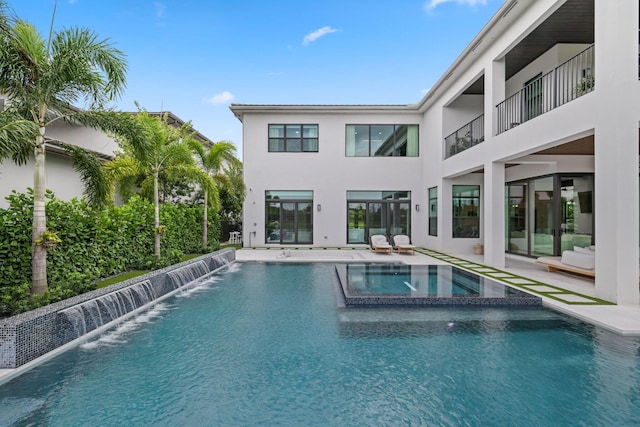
(563, 84)
(466, 137)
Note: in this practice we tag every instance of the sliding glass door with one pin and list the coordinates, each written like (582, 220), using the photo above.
(547, 215)
(377, 212)
(289, 217)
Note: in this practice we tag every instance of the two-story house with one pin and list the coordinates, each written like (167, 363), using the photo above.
(528, 144)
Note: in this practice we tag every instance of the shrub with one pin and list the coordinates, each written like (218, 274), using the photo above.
(93, 243)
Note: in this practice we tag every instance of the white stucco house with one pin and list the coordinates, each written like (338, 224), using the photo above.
(515, 147)
(62, 179)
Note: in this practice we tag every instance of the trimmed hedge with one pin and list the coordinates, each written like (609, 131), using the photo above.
(95, 244)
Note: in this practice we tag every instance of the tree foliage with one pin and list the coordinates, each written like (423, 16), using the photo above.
(161, 150)
(94, 243)
(44, 80)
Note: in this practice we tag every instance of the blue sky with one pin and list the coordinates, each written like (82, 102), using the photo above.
(195, 57)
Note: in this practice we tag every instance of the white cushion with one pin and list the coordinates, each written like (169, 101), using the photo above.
(580, 260)
(583, 250)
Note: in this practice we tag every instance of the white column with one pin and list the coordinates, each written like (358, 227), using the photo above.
(493, 214)
(494, 93)
(445, 215)
(616, 151)
(493, 188)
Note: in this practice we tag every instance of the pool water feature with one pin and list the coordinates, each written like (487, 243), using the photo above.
(268, 344)
(401, 284)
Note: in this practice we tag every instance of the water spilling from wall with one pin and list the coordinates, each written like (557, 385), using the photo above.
(29, 335)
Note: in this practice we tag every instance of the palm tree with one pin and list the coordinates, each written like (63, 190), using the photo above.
(213, 160)
(163, 150)
(42, 80)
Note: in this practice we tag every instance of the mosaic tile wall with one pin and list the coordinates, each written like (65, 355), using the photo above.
(30, 335)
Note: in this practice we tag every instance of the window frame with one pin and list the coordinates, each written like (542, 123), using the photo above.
(458, 205)
(289, 141)
(289, 197)
(395, 132)
(432, 195)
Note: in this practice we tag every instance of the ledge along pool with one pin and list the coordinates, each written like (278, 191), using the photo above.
(271, 344)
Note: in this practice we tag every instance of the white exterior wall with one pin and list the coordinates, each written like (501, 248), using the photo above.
(62, 179)
(328, 173)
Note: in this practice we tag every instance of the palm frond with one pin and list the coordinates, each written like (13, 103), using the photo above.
(16, 137)
(96, 186)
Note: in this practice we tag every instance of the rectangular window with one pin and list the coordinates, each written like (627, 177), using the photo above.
(466, 203)
(293, 138)
(433, 211)
(289, 217)
(381, 140)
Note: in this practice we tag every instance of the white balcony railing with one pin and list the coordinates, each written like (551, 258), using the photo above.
(563, 84)
(466, 137)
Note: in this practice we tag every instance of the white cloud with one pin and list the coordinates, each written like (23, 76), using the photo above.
(432, 4)
(220, 98)
(311, 37)
(160, 8)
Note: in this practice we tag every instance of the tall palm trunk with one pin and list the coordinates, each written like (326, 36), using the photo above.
(156, 216)
(39, 252)
(205, 223)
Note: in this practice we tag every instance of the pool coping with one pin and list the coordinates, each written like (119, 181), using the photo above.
(520, 299)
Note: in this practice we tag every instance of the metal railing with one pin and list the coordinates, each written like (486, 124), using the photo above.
(466, 137)
(563, 84)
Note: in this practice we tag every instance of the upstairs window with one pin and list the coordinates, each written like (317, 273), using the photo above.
(293, 138)
(382, 140)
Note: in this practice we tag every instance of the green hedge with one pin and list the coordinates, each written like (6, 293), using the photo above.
(95, 244)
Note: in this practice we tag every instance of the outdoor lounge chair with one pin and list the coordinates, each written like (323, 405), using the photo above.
(379, 243)
(402, 243)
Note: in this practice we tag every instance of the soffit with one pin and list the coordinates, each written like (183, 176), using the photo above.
(582, 146)
(573, 22)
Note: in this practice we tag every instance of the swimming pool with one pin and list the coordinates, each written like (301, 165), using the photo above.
(266, 344)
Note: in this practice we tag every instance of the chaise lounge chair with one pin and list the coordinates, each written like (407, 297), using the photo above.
(579, 260)
(402, 243)
(379, 243)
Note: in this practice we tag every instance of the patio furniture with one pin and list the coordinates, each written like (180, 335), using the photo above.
(379, 243)
(402, 243)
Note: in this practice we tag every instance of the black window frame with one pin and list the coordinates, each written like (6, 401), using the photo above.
(432, 194)
(288, 141)
(465, 214)
(394, 149)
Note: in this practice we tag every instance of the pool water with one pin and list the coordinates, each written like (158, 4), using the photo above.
(267, 344)
(401, 284)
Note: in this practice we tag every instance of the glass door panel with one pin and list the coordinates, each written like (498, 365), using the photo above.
(273, 223)
(357, 223)
(541, 212)
(399, 219)
(305, 222)
(517, 232)
(576, 212)
(377, 219)
(288, 234)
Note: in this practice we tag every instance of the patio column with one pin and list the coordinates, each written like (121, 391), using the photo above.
(493, 217)
(616, 151)
(494, 80)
